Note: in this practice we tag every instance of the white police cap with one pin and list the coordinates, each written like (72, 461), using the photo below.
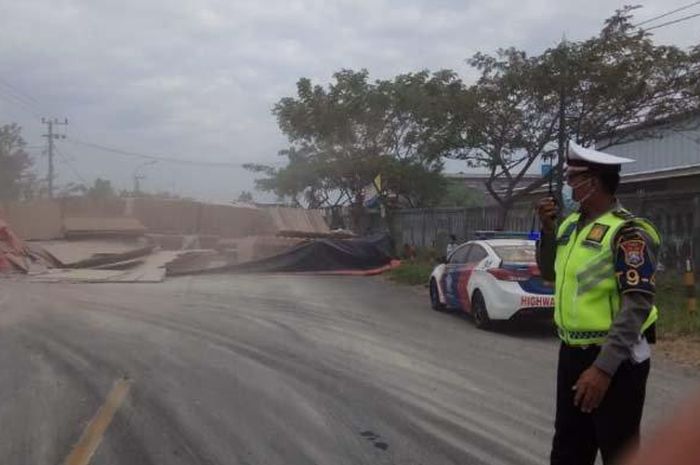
(583, 155)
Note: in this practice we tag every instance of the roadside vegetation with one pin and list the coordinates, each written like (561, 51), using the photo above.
(412, 272)
(674, 319)
(678, 330)
(416, 266)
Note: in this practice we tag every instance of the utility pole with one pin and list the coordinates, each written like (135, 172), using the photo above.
(562, 142)
(561, 151)
(138, 175)
(137, 183)
(50, 136)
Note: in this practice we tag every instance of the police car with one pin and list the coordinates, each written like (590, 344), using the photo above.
(495, 277)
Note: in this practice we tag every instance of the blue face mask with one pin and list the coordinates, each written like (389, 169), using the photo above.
(567, 195)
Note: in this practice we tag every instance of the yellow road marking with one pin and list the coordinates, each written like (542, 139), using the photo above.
(92, 436)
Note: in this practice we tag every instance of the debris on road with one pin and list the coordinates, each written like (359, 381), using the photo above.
(89, 253)
(323, 255)
(199, 261)
(149, 270)
(335, 234)
(15, 256)
(13, 253)
(143, 240)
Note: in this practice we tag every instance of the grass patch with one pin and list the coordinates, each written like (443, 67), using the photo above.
(413, 272)
(674, 319)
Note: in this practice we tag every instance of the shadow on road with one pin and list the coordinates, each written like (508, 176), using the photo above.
(522, 329)
(535, 329)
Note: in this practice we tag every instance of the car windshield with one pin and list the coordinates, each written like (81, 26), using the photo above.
(516, 254)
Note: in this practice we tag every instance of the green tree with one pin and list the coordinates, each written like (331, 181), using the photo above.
(71, 189)
(16, 180)
(459, 195)
(343, 136)
(510, 126)
(589, 91)
(620, 79)
(245, 197)
(412, 184)
(101, 189)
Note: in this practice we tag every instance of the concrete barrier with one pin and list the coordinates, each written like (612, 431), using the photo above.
(76, 207)
(230, 221)
(168, 216)
(42, 219)
(35, 220)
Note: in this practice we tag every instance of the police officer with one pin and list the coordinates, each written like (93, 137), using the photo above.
(602, 260)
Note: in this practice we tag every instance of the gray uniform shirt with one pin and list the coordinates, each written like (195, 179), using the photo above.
(624, 340)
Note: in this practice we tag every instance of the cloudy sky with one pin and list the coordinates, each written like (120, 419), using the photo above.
(196, 79)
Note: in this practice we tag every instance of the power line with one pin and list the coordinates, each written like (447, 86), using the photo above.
(71, 166)
(19, 92)
(690, 5)
(146, 156)
(16, 95)
(29, 103)
(10, 98)
(685, 18)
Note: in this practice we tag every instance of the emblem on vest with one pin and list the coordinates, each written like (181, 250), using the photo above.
(597, 233)
(634, 252)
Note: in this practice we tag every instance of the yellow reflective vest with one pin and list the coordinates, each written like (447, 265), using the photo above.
(587, 297)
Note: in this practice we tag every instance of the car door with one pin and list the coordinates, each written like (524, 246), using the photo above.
(463, 275)
(455, 267)
(477, 255)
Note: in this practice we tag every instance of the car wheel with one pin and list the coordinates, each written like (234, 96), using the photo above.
(435, 297)
(479, 312)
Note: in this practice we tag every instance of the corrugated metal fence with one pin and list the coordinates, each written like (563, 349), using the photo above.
(676, 216)
(431, 227)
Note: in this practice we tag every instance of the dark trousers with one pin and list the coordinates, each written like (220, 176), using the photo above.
(612, 427)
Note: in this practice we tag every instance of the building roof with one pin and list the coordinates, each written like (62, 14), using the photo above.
(673, 145)
(483, 176)
(677, 172)
(650, 125)
(668, 148)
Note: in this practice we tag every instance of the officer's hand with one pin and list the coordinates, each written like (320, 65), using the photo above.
(591, 388)
(547, 210)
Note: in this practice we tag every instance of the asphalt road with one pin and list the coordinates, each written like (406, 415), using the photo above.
(274, 370)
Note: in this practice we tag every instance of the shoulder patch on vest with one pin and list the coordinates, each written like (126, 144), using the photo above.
(635, 266)
(634, 252)
(597, 233)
